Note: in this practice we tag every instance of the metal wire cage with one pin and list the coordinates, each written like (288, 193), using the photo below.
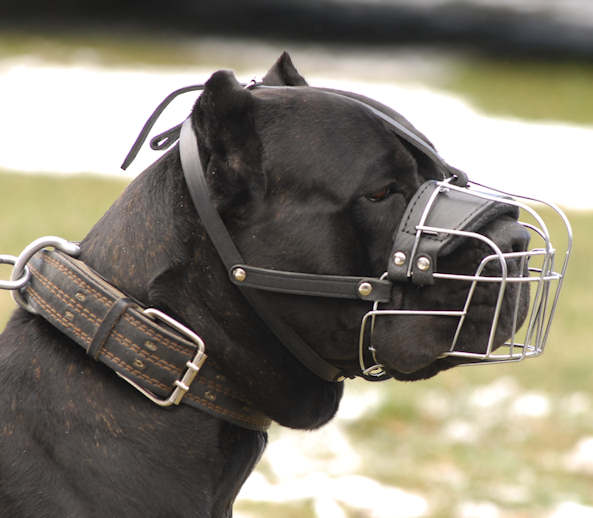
(537, 272)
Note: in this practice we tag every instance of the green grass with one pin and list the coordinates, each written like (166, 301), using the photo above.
(38, 205)
(530, 90)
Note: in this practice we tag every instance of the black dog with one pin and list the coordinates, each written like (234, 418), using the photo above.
(304, 182)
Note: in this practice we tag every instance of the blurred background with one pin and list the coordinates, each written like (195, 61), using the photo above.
(503, 88)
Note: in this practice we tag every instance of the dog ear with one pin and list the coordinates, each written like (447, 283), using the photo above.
(229, 145)
(284, 73)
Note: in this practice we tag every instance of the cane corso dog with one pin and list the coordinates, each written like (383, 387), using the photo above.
(305, 182)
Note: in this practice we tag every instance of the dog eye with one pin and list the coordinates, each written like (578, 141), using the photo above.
(381, 194)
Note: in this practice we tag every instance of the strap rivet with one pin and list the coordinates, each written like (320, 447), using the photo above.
(239, 274)
(365, 289)
(151, 346)
(399, 258)
(210, 396)
(423, 263)
(139, 364)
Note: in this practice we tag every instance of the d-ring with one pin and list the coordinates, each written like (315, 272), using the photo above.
(20, 265)
(18, 283)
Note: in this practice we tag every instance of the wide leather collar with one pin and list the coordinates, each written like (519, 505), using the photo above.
(159, 360)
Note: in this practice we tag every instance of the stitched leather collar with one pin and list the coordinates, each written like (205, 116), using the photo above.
(116, 331)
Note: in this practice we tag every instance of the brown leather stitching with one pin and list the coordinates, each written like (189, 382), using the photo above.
(57, 317)
(131, 319)
(126, 342)
(154, 334)
(197, 399)
(259, 420)
(124, 365)
(75, 278)
(91, 317)
(64, 297)
(155, 360)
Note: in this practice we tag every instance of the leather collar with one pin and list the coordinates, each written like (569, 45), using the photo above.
(156, 358)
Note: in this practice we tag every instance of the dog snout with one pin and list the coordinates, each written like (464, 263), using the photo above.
(519, 238)
(509, 235)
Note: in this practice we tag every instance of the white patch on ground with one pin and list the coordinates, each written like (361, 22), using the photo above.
(496, 394)
(352, 491)
(580, 459)
(358, 400)
(327, 507)
(83, 118)
(477, 510)
(532, 404)
(571, 510)
(295, 453)
(461, 431)
(320, 467)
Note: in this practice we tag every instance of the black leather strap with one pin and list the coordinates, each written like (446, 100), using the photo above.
(336, 286)
(196, 182)
(445, 208)
(167, 138)
(115, 330)
(106, 327)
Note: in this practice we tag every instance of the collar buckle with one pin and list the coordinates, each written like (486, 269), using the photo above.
(183, 384)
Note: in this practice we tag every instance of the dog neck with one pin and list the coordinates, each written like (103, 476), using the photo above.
(151, 245)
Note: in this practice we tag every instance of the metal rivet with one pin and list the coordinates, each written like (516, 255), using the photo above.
(399, 258)
(150, 345)
(208, 395)
(239, 274)
(139, 364)
(69, 315)
(340, 378)
(80, 296)
(220, 377)
(365, 289)
(423, 263)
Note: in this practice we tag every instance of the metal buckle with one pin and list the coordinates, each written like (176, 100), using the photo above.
(193, 367)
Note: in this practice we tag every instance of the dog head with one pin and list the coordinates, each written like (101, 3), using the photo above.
(309, 181)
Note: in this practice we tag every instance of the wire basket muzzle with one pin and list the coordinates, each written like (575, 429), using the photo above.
(524, 284)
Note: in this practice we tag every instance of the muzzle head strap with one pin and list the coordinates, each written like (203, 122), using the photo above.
(433, 225)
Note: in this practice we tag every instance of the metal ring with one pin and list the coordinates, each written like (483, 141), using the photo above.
(20, 265)
(18, 283)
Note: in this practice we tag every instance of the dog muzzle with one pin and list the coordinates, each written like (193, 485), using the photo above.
(441, 217)
(438, 219)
